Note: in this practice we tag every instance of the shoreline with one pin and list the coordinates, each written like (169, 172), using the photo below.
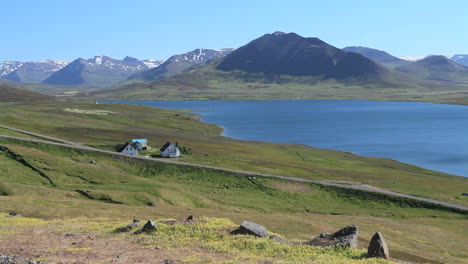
(223, 128)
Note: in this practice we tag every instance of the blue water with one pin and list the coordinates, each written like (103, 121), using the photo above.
(433, 136)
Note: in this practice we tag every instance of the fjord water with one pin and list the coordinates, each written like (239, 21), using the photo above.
(433, 136)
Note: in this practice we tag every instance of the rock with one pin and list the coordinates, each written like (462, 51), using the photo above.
(149, 227)
(14, 214)
(191, 218)
(377, 247)
(152, 204)
(93, 162)
(249, 228)
(345, 237)
(4, 259)
(133, 225)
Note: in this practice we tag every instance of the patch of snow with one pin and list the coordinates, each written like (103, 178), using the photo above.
(413, 58)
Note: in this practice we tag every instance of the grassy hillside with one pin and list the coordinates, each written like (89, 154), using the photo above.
(39, 180)
(105, 125)
(208, 83)
(10, 94)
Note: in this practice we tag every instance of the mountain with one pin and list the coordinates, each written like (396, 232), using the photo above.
(437, 68)
(377, 55)
(460, 59)
(10, 94)
(152, 63)
(30, 72)
(290, 54)
(274, 66)
(100, 71)
(181, 62)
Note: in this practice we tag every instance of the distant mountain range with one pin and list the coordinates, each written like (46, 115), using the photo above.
(273, 65)
(278, 64)
(460, 59)
(180, 63)
(378, 55)
(436, 68)
(113, 71)
(99, 71)
(29, 72)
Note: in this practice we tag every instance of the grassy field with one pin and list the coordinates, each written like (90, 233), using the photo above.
(120, 123)
(73, 195)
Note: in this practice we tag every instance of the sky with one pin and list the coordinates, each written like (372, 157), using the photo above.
(34, 30)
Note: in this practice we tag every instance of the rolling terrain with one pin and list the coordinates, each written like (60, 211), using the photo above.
(52, 181)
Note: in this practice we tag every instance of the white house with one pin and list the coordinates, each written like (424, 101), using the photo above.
(170, 150)
(129, 149)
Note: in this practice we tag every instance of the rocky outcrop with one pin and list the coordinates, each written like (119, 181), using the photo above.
(377, 247)
(345, 237)
(249, 228)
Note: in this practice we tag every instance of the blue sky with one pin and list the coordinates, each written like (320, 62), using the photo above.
(68, 29)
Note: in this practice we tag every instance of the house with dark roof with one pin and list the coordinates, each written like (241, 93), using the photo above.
(170, 150)
(128, 149)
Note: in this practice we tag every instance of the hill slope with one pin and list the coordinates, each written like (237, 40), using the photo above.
(377, 55)
(9, 94)
(436, 68)
(179, 63)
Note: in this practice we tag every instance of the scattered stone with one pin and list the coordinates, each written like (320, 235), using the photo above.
(191, 218)
(4, 259)
(158, 247)
(168, 261)
(133, 225)
(152, 204)
(279, 239)
(14, 214)
(249, 228)
(149, 227)
(345, 237)
(69, 235)
(377, 247)
(93, 162)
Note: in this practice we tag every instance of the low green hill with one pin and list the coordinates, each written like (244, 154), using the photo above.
(10, 94)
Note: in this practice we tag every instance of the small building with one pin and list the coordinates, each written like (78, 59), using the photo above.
(170, 150)
(142, 143)
(128, 149)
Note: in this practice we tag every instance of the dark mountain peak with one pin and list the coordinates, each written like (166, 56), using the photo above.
(130, 59)
(292, 54)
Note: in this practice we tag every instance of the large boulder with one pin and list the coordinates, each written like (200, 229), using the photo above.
(249, 228)
(377, 247)
(345, 237)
